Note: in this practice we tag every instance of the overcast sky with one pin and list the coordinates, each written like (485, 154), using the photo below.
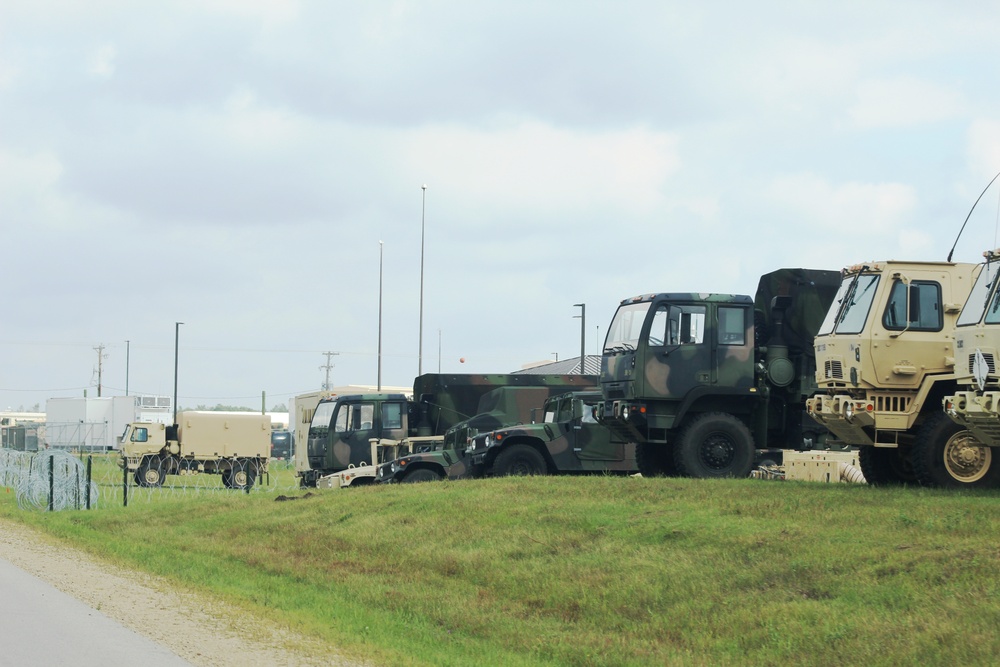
(233, 165)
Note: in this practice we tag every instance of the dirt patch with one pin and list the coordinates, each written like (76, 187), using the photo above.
(147, 605)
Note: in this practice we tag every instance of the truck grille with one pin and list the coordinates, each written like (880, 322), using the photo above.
(834, 370)
(989, 362)
(891, 403)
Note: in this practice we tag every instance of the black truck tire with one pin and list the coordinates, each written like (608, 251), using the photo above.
(151, 472)
(520, 460)
(714, 444)
(948, 456)
(886, 466)
(242, 475)
(421, 475)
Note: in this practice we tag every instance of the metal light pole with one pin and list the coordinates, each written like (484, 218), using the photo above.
(177, 331)
(380, 317)
(420, 351)
(583, 334)
(126, 367)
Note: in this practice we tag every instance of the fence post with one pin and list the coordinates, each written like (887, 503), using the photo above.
(125, 484)
(90, 462)
(52, 483)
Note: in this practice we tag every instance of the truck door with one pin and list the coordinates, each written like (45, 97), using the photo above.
(393, 422)
(353, 426)
(591, 441)
(914, 318)
(677, 358)
(734, 358)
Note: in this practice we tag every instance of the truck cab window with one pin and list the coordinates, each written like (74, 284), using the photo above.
(673, 324)
(732, 325)
(392, 415)
(140, 435)
(915, 306)
(354, 417)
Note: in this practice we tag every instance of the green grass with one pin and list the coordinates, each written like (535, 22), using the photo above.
(586, 571)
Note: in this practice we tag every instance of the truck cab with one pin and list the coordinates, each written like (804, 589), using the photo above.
(885, 358)
(343, 427)
(975, 405)
(702, 382)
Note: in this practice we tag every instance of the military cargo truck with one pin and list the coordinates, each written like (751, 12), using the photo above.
(885, 360)
(343, 426)
(500, 407)
(970, 457)
(236, 446)
(702, 382)
(568, 440)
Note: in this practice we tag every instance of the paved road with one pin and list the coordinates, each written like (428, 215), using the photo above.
(41, 625)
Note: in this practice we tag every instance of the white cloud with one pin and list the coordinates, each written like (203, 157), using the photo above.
(904, 102)
(983, 146)
(535, 166)
(875, 208)
(102, 61)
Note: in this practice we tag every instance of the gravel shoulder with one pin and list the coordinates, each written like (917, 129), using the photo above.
(200, 629)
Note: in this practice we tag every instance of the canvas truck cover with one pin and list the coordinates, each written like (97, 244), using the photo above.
(812, 292)
(207, 434)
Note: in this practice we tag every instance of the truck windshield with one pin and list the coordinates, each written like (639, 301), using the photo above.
(322, 418)
(623, 334)
(849, 311)
(979, 298)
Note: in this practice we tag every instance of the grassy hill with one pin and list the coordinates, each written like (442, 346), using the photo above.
(587, 570)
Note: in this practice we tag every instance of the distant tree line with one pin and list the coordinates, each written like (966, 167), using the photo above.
(234, 408)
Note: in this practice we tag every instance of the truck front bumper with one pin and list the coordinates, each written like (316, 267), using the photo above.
(979, 413)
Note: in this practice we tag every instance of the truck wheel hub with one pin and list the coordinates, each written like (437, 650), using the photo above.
(718, 451)
(965, 459)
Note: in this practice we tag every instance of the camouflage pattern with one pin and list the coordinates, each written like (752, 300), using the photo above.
(440, 401)
(503, 406)
(570, 439)
(737, 359)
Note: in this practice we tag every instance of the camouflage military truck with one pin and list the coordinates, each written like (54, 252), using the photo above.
(703, 382)
(569, 440)
(343, 426)
(885, 360)
(503, 406)
(968, 457)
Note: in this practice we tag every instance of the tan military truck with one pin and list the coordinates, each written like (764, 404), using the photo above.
(971, 459)
(885, 359)
(236, 446)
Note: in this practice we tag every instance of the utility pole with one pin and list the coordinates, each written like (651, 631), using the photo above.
(379, 317)
(420, 336)
(177, 337)
(100, 366)
(327, 367)
(583, 333)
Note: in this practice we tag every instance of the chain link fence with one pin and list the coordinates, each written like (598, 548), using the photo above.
(55, 480)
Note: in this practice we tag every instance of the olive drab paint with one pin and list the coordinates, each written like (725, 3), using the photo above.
(343, 426)
(740, 367)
